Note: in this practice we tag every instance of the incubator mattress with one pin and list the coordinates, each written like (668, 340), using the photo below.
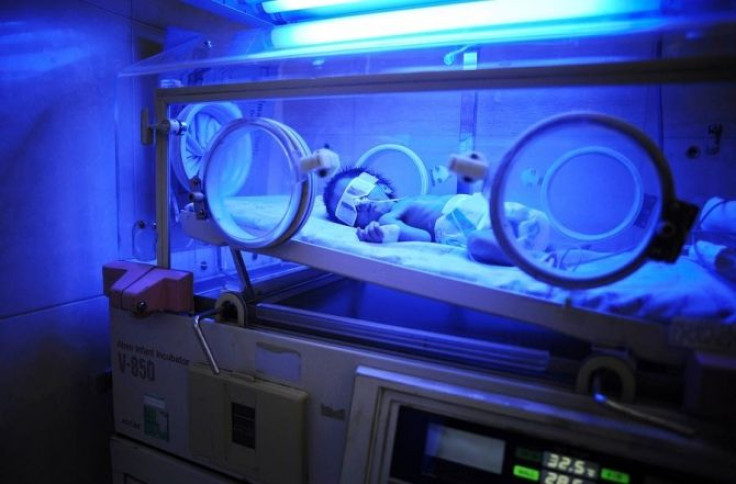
(657, 292)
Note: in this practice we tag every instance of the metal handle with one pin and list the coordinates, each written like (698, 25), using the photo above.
(203, 342)
(664, 423)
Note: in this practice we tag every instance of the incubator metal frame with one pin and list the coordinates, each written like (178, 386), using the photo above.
(606, 330)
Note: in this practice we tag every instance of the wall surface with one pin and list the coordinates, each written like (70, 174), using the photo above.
(58, 66)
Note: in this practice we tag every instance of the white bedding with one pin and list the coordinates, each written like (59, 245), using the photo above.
(657, 291)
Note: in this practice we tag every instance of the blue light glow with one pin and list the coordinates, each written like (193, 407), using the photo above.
(29, 51)
(449, 18)
(333, 8)
(284, 48)
(279, 6)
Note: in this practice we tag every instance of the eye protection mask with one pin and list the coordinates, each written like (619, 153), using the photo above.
(358, 188)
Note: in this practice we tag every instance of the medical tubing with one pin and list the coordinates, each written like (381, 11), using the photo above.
(389, 200)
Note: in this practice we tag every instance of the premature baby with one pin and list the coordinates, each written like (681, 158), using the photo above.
(359, 198)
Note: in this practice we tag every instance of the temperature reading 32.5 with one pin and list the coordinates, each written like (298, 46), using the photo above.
(570, 465)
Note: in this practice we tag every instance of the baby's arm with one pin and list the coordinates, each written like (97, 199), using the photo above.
(407, 233)
(371, 233)
(375, 232)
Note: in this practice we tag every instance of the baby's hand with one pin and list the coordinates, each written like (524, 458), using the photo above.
(371, 233)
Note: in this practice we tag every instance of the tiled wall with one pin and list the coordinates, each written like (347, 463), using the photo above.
(675, 116)
(58, 66)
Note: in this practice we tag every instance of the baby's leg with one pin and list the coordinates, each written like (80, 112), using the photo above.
(483, 247)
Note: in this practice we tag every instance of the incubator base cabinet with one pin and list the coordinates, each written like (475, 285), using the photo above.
(499, 251)
(296, 410)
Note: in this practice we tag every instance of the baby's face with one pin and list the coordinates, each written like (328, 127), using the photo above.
(371, 207)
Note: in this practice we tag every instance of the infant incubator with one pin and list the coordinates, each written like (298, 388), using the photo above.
(593, 147)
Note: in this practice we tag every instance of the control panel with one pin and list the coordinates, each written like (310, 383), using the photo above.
(431, 448)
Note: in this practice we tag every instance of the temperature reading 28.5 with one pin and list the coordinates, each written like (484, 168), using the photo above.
(570, 465)
(551, 477)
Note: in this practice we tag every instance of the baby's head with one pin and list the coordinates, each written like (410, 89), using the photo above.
(354, 195)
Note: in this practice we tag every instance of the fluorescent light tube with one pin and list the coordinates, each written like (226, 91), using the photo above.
(280, 6)
(453, 17)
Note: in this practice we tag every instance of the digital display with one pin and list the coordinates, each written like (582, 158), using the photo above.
(431, 448)
(553, 477)
(570, 465)
(465, 448)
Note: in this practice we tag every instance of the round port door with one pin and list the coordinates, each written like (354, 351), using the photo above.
(578, 199)
(203, 121)
(394, 162)
(272, 202)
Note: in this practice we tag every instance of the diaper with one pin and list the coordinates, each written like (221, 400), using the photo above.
(461, 215)
(464, 214)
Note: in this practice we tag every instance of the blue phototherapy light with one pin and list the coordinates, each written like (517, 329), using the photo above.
(444, 19)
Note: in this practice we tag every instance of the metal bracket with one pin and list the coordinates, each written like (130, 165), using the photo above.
(167, 126)
(678, 218)
(196, 196)
(249, 294)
